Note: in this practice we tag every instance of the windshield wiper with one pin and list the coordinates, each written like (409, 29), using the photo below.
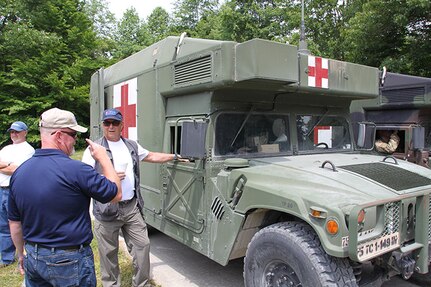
(318, 122)
(242, 126)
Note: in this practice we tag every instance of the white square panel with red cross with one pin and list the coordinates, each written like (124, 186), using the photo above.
(318, 69)
(125, 97)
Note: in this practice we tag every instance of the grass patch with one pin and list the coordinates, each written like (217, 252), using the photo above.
(78, 154)
(10, 276)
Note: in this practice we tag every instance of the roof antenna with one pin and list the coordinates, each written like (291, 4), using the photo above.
(383, 78)
(180, 42)
(302, 42)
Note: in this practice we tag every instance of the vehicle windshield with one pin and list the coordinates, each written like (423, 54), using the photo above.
(264, 134)
(317, 132)
(251, 133)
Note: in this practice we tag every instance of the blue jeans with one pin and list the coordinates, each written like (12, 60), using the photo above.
(7, 249)
(57, 267)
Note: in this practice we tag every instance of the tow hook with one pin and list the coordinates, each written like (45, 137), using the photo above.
(407, 266)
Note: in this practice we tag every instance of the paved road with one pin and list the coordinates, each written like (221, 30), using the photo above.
(174, 265)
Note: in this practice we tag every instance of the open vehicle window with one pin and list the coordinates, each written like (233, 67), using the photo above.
(320, 133)
(242, 133)
(175, 147)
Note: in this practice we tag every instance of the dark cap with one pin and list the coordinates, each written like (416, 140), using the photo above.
(112, 114)
(18, 126)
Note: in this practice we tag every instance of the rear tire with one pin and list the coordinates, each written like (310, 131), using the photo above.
(290, 254)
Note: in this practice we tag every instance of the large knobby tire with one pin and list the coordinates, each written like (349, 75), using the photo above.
(424, 279)
(290, 254)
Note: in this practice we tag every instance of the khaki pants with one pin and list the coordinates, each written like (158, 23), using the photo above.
(134, 229)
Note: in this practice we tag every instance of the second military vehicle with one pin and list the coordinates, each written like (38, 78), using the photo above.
(274, 176)
(403, 106)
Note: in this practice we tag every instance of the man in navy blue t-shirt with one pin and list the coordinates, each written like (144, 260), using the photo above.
(49, 205)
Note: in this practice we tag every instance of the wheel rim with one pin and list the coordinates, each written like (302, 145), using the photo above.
(280, 274)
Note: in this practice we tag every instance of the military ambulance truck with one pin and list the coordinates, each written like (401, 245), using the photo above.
(273, 174)
(403, 106)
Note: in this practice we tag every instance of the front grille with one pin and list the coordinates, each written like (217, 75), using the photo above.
(392, 215)
(392, 218)
(389, 175)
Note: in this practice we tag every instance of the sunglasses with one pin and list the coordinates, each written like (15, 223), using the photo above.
(109, 123)
(71, 134)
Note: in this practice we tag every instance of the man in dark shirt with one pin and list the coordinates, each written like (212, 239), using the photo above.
(49, 205)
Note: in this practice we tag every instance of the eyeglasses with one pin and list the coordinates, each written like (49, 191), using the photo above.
(109, 123)
(71, 134)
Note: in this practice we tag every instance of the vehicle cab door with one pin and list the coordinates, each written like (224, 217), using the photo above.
(183, 183)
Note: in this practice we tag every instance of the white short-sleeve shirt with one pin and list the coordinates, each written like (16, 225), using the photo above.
(121, 155)
(16, 154)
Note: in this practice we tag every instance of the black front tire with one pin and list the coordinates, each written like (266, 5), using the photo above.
(290, 254)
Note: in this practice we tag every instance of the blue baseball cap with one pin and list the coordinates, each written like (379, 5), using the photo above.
(112, 114)
(18, 126)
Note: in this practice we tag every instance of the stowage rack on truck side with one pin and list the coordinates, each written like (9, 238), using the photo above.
(274, 174)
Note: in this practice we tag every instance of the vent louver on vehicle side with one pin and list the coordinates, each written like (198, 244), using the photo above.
(408, 95)
(193, 72)
(217, 208)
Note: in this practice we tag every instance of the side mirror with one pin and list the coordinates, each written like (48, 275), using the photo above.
(361, 135)
(418, 138)
(366, 135)
(193, 136)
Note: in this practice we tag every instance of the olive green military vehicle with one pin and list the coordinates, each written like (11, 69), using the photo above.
(273, 176)
(403, 106)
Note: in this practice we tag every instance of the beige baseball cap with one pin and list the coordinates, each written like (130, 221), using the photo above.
(56, 118)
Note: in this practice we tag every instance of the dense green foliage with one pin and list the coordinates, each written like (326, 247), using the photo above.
(50, 48)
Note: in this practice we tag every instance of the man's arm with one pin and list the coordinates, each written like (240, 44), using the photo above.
(159, 157)
(99, 154)
(389, 147)
(18, 241)
(7, 167)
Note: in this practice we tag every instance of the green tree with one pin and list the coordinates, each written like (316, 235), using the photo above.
(392, 33)
(104, 24)
(188, 13)
(208, 27)
(158, 24)
(46, 60)
(243, 20)
(131, 35)
(324, 24)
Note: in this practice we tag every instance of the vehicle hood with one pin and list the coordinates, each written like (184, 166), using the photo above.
(344, 179)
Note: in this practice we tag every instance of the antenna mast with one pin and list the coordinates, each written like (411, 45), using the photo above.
(302, 42)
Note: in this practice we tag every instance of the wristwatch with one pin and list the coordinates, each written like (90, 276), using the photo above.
(175, 156)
